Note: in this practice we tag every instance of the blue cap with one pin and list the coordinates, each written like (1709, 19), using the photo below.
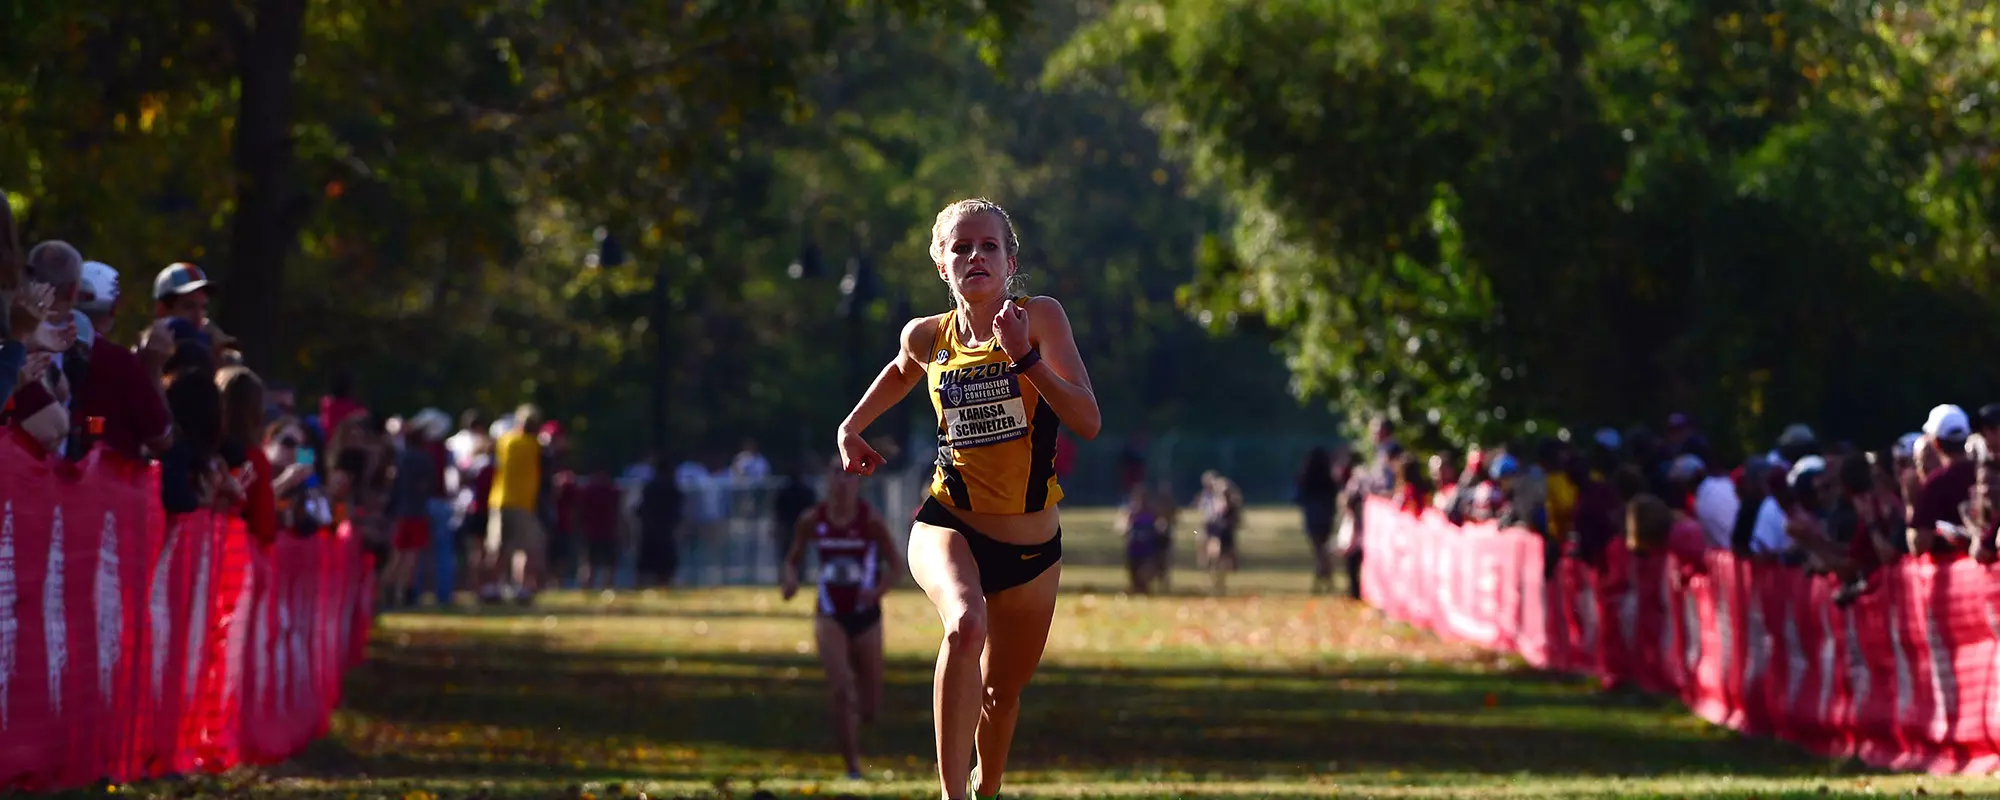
(184, 330)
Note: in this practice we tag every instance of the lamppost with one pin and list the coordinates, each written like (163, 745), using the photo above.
(858, 288)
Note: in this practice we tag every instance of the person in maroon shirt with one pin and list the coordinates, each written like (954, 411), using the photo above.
(1935, 523)
(123, 394)
(597, 514)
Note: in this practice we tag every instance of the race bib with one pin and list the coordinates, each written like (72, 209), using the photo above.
(982, 405)
(842, 572)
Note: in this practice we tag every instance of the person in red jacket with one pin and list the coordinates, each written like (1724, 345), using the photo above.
(243, 449)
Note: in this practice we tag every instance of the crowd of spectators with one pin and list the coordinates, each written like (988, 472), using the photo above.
(500, 495)
(1828, 507)
(179, 395)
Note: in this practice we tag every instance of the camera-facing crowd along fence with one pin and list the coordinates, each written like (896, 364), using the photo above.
(131, 648)
(1902, 678)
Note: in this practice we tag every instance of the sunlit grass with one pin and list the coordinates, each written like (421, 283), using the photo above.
(1265, 692)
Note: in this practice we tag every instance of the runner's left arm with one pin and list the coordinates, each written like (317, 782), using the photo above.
(1060, 375)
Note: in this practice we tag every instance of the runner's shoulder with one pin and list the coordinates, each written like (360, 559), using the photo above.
(918, 334)
(1041, 306)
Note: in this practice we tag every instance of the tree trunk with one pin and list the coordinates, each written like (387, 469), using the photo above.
(269, 210)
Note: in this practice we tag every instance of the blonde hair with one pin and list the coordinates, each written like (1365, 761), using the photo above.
(950, 216)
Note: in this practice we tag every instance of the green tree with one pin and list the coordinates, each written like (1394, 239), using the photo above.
(1500, 217)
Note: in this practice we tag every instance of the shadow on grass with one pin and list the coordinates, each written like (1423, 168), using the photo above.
(597, 609)
(519, 706)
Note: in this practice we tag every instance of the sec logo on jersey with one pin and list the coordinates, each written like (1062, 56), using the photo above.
(943, 356)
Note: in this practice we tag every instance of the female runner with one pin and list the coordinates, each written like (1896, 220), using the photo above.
(857, 565)
(1004, 373)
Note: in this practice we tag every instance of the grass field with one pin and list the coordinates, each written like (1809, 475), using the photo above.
(1268, 692)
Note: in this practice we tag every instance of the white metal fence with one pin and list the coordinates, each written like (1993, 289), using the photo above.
(744, 545)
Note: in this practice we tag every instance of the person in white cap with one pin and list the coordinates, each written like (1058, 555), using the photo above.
(1936, 523)
(122, 393)
(440, 565)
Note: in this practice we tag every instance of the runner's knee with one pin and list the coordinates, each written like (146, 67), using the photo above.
(843, 694)
(965, 629)
(1001, 699)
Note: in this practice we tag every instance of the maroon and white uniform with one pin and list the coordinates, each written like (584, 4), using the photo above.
(849, 561)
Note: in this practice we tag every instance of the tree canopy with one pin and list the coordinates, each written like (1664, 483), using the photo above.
(640, 215)
(1497, 217)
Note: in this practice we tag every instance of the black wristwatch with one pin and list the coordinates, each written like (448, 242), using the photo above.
(1024, 363)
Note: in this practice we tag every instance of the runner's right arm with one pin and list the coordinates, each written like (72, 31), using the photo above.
(789, 576)
(902, 374)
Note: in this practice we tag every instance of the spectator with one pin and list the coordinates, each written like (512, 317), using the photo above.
(1797, 442)
(516, 547)
(338, 404)
(1318, 497)
(299, 505)
(280, 400)
(1413, 488)
(1814, 495)
(1527, 500)
(705, 492)
(1604, 493)
(242, 414)
(1443, 474)
(363, 470)
(439, 564)
(559, 488)
(659, 520)
(13, 266)
(1681, 437)
(471, 502)
(1553, 458)
(58, 265)
(34, 409)
(123, 392)
(597, 517)
(1935, 522)
(1716, 505)
(411, 488)
(1760, 524)
(557, 506)
(34, 390)
(1657, 524)
(180, 299)
(750, 466)
(190, 474)
(471, 433)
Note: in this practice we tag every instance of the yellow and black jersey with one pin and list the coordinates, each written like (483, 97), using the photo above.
(996, 434)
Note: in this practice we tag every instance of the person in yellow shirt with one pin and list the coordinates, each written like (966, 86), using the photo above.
(1561, 492)
(516, 547)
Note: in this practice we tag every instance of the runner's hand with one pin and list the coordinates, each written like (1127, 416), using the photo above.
(872, 596)
(1010, 325)
(790, 586)
(856, 456)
